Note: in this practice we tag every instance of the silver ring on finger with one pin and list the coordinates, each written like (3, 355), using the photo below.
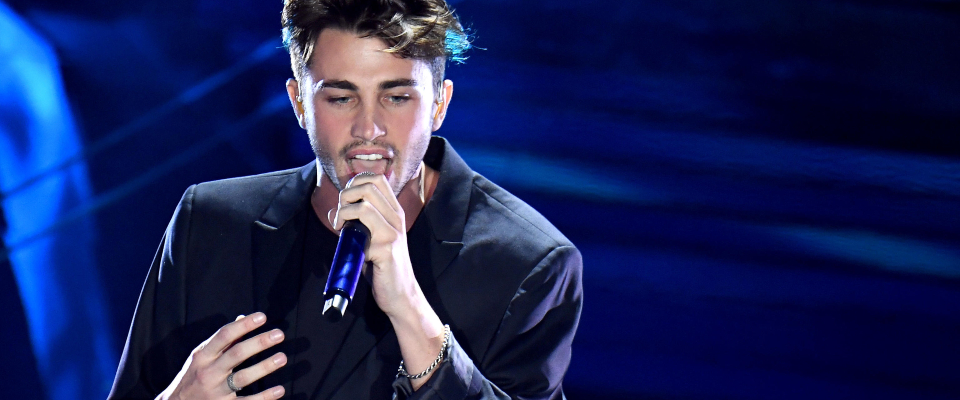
(232, 385)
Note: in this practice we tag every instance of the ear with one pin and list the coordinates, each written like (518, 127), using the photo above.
(293, 91)
(446, 93)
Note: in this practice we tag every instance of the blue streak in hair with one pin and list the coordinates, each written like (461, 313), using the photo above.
(456, 44)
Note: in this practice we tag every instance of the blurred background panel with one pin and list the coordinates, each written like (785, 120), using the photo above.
(765, 193)
(56, 333)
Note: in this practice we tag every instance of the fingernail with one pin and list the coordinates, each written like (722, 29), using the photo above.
(259, 317)
(276, 335)
(277, 392)
(279, 359)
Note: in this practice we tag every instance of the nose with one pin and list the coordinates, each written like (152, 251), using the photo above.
(367, 124)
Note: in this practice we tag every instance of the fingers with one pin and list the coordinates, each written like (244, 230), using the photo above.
(383, 188)
(246, 376)
(381, 231)
(275, 392)
(371, 194)
(247, 348)
(378, 203)
(232, 332)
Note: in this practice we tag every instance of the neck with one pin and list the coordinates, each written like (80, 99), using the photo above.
(326, 197)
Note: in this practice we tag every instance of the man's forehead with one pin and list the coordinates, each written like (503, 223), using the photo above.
(341, 56)
(348, 85)
(319, 78)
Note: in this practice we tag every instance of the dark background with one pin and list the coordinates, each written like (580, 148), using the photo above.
(765, 192)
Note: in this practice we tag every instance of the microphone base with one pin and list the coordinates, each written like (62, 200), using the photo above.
(335, 307)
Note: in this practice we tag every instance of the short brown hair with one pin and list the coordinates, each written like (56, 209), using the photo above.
(419, 29)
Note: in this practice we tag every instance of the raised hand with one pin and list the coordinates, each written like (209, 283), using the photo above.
(394, 285)
(368, 198)
(204, 374)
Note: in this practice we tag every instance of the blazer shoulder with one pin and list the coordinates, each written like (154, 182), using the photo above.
(518, 213)
(519, 231)
(251, 193)
(251, 184)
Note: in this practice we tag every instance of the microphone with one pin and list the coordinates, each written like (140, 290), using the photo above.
(346, 267)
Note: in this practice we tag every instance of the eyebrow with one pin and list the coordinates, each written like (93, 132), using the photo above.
(347, 85)
(397, 83)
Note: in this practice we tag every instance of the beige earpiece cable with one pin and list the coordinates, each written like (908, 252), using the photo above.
(423, 178)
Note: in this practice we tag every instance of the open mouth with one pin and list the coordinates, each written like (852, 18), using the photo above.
(375, 162)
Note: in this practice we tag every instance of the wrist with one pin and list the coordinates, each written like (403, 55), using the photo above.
(421, 337)
(426, 373)
(414, 316)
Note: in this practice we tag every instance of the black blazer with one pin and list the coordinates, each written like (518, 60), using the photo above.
(506, 281)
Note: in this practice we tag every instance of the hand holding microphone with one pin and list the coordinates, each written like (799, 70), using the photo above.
(370, 200)
(346, 266)
(369, 217)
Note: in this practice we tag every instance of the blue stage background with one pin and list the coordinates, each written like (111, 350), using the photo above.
(765, 193)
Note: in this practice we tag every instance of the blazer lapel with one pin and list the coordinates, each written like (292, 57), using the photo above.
(274, 234)
(447, 209)
(276, 262)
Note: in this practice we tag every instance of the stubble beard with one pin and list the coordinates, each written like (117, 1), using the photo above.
(402, 176)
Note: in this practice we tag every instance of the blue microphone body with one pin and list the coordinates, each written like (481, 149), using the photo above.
(345, 269)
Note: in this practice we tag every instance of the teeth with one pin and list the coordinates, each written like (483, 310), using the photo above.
(369, 157)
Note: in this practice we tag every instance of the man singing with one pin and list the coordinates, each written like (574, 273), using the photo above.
(468, 293)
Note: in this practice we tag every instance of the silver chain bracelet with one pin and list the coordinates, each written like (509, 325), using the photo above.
(443, 352)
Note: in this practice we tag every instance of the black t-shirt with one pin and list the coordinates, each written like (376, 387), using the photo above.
(317, 340)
